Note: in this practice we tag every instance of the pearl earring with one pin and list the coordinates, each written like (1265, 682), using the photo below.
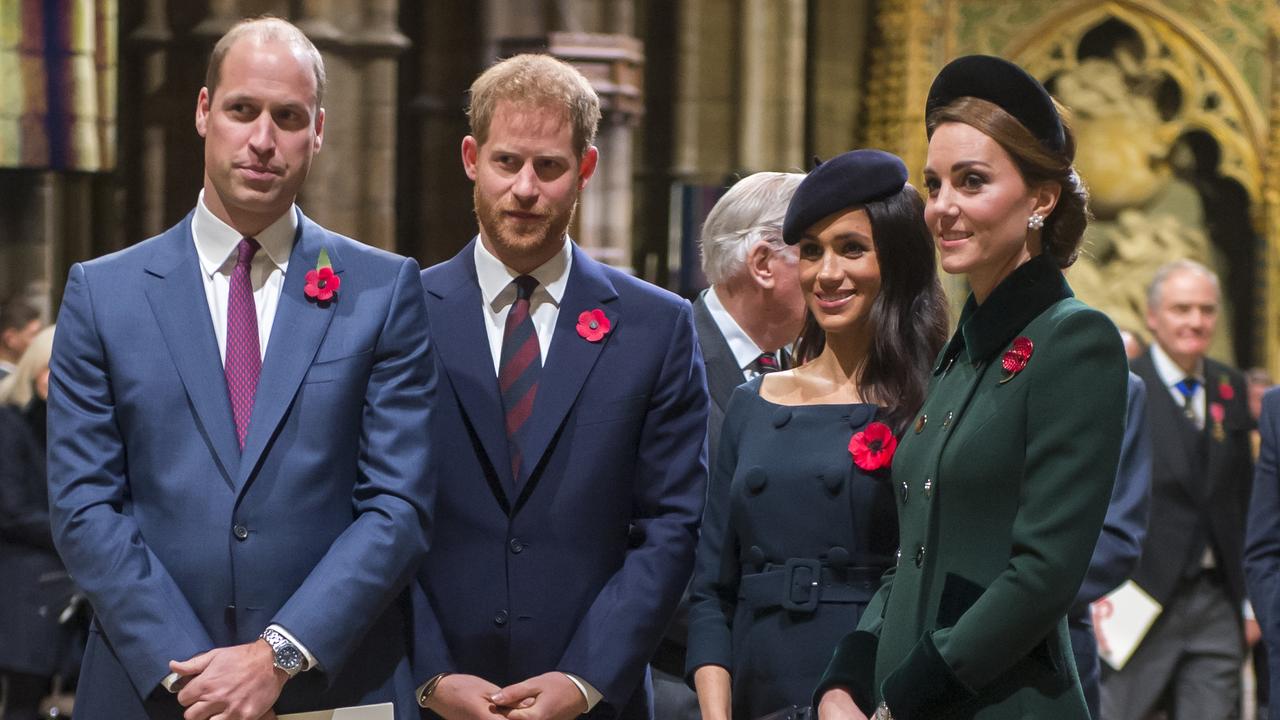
(1036, 221)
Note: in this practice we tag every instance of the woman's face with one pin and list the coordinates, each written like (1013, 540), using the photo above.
(42, 384)
(839, 271)
(978, 206)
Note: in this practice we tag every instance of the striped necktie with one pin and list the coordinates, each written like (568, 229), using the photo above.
(518, 369)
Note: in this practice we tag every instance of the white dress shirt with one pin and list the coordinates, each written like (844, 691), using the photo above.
(216, 245)
(499, 295)
(744, 349)
(1171, 374)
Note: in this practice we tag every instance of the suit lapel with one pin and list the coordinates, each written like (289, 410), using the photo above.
(458, 331)
(177, 298)
(296, 332)
(1219, 451)
(723, 373)
(1167, 422)
(571, 356)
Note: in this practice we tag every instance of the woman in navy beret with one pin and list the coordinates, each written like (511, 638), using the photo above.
(800, 523)
(1007, 469)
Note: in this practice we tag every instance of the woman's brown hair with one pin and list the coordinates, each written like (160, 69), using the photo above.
(1063, 230)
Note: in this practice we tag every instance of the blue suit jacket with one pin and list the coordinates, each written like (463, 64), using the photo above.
(182, 541)
(1262, 541)
(578, 564)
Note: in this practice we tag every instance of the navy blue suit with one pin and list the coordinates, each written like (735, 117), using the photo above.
(1120, 544)
(1262, 541)
(182, 541)
(578, 564)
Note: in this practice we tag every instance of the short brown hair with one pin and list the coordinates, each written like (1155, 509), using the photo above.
(265, 28)
(536, 81)
(1064, 228)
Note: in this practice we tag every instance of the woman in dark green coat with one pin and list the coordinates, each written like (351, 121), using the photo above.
(1005, 475)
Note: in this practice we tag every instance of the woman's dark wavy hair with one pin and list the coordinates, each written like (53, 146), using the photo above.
(909, 316)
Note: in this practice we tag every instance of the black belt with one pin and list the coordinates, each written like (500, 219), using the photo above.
(800, 584)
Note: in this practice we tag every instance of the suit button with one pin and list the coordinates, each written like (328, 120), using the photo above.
(928, 487)
(241, 532)
(919, 555)
(517, 547)
(905, 489)
(946, 421)
(921, 422)
(500, 618)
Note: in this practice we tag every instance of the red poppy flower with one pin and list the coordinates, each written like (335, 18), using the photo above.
(1225, 391)
(873, 447)
(1016, 357)
(322, 284)
(593, 325)
(1217, 412)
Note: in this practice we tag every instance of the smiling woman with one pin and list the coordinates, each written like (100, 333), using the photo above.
(1006, 473)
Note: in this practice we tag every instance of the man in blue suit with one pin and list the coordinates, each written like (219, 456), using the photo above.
(238, 456)
(572, 424)
(1262, 538)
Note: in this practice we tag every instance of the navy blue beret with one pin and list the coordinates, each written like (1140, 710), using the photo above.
(847, 180)
(999, 81)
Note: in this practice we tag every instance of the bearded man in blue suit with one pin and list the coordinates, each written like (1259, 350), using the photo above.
(571, 427)
(238, 456)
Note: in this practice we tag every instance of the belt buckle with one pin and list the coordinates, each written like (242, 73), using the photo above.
(804, 579)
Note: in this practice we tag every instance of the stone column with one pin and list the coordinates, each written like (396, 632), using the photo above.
(1268, 328)
(771, 113)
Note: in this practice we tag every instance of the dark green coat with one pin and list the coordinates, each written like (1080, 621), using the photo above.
(1002, 485)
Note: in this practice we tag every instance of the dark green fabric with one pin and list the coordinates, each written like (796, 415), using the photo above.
(1008, 481)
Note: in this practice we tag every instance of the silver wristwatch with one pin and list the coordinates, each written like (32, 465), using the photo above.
(287, 655)
(882, 712)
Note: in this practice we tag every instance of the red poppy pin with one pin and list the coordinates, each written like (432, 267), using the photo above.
(1218, 412)
(1225, 389)
(1016, 357)
(322, 283)
(593, 325)
(873, 447)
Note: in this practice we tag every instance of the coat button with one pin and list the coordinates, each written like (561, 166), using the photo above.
(781, 417)
(517, 547)
(897, 557)
(919, 555)
(928, 487)
(921, 422)
(946, 421)
(832, 482)
(756, 480)
(241, 532)
(500, 618)
(837, 556)
(905, 490)
(755, 555)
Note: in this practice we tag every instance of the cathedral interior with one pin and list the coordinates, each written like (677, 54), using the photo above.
(1175, 103)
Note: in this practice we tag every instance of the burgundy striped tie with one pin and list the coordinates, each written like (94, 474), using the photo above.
(518, 369)
(244, 357)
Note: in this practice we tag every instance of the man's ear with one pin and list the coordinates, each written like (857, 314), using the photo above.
(202, 112)
(758, 265)
(587, 167)
(470, 155)
(319, 130)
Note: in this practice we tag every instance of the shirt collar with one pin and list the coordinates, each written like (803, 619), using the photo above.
(744, 350)
(216, 241)
(1169, 371)
(495, 277)
(1028, 291)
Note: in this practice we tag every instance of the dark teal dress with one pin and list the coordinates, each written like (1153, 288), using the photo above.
(787, 508)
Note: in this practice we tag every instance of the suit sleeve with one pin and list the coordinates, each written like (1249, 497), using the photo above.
(617, 636)
(373, 559)
(1125, 526)
(1262, 541)
(713, 595)
(135, 599)
(1075, 424)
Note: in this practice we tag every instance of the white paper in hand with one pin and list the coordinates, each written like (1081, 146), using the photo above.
(1120, 620)
(384, 711)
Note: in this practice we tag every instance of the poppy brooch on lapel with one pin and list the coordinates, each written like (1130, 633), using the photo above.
(1225, 390)
(593, 325)
(1016, 357)
(1217, 413)
(322, 284)
(873, 448)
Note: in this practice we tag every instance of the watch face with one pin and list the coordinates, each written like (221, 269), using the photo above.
(288, 658)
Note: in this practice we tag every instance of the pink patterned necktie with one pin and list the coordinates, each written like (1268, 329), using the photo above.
(244, 356)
